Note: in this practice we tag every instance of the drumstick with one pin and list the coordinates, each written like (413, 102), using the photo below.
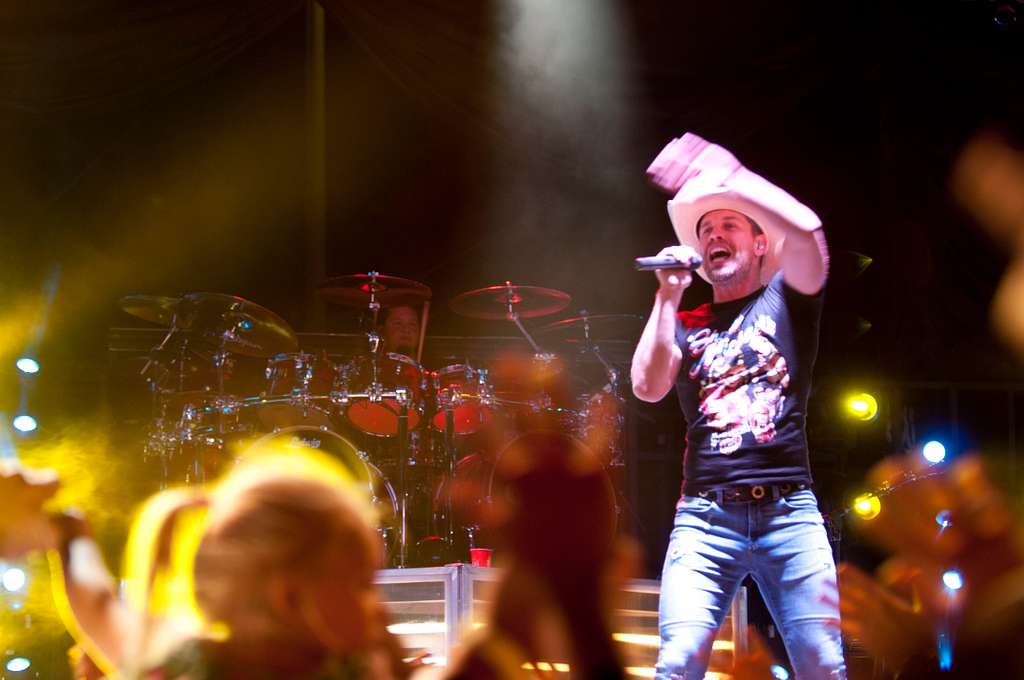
(423, 330)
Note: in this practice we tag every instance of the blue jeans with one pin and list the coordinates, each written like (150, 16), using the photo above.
(782, 544)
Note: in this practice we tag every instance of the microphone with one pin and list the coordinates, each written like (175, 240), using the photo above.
(649, 264)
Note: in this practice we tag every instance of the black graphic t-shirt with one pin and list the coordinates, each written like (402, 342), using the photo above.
(743, 387)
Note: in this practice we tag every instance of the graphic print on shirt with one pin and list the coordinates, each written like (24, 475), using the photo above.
(742, 377)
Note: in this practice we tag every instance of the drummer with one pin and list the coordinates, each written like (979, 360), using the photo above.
(401, 329)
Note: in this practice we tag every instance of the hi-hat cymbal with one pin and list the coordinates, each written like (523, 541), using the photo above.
(235, 324)
(595, 327)
(501, 302)
(157, 309)
(357, 290)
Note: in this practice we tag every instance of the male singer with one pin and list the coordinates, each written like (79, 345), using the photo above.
(741, 366)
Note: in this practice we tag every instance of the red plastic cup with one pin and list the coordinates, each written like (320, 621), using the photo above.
(480, 557)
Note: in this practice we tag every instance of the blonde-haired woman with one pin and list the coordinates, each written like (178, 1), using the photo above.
(267, 574)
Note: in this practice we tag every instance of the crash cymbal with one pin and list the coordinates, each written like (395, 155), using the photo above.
(500, 302)
(157, 309)
(235, 324)
(357, 290)
(595, 327)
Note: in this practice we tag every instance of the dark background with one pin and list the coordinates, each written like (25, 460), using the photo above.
(161, 148)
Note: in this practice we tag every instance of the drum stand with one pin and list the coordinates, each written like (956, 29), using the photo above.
(155, 371)
(403, 494)
(449, 451)
(376, 394)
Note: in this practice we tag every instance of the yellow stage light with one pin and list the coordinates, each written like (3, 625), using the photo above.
(862, 406)
(867, 506)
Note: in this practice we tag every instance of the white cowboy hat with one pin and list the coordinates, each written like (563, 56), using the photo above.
(696, 198)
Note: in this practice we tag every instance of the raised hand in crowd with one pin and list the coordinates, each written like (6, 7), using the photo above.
(82, 665)
(24, 525)
(962, 550)
(556, 598)
(269, 573)
(943, 518)
(882, 615)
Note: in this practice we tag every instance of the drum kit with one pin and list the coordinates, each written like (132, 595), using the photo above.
(414, 436)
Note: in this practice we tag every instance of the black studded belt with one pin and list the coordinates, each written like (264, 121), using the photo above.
(751, 493)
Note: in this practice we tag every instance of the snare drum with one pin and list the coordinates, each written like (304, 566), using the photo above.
(466, 391)
(367, 409)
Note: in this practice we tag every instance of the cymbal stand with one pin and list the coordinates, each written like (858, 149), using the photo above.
(154, 361)
(154, 353)
(511, 299)
(240, 323)
(590, 346)
(158, 437)
(221, 358)
(374, 302)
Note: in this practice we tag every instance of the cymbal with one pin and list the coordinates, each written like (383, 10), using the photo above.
(356, 290)
(499, 302)
(157, 309)
(235, 324)
(595, 326)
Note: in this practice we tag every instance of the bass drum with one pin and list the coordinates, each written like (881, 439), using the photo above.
(381, 494)
(466, 495)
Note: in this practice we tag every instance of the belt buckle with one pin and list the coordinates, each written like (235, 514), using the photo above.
(757, 492)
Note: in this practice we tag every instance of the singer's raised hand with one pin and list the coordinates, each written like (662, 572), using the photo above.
(687, 158)
(675, 281)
